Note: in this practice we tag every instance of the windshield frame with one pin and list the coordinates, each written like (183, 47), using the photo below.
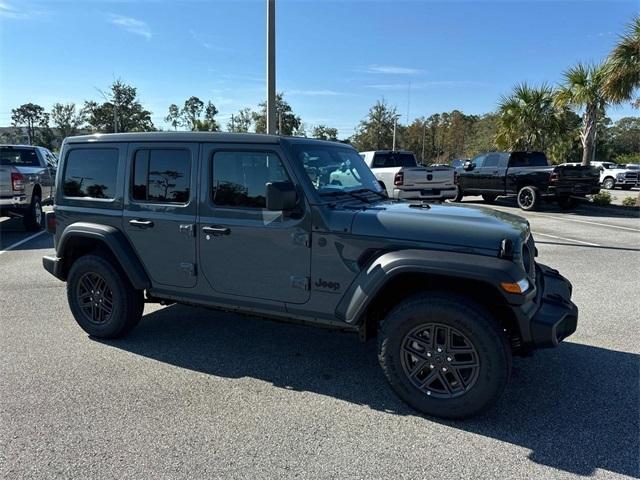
(292, 147)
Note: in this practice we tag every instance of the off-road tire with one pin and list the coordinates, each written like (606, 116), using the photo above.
(528, 198)
(609, 183)
(465, 316)
(127, 303)
(34, 218)
(489, 198)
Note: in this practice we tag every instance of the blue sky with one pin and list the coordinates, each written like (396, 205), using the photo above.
(334, 58)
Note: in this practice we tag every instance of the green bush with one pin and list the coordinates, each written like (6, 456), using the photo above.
(602, 198)
(628, 158)
(629, 201)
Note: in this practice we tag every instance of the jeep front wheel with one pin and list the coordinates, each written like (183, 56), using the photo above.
(101, 298)
(444, 355)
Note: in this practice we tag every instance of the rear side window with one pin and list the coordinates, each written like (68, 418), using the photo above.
(91, 172)
(19, 157)
(240, 178)
(161, 176)
(528, 159)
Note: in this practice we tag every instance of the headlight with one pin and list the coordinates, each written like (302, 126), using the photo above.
(620, 176)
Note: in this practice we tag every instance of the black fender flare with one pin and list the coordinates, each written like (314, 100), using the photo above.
(115, 241)
(370, 280)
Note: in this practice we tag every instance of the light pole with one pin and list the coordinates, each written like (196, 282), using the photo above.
(271, 67)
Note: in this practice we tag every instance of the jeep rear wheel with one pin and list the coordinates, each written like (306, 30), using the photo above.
(444, 355)
(101, 298)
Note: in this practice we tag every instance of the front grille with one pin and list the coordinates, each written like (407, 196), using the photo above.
(631, 175)
(528, 259)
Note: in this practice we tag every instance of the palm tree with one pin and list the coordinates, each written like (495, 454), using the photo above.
(529, 119)
(622, 68)
(583, 87)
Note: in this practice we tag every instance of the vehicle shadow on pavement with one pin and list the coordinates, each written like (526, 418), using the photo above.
(12, 231)
(575, 407)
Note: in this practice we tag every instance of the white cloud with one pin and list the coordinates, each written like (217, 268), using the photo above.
(131, 25)
(9, 11)
(392, 70)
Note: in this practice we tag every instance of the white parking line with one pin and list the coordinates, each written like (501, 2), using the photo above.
(24, 240)
(593, 223)
(566, 239)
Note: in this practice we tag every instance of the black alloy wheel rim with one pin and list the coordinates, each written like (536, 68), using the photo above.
(95, 298)
(439, 361)
(526, 198)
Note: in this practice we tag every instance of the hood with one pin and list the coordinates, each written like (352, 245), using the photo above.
(463, 227)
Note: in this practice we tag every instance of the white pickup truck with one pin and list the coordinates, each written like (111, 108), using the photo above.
(402, 178)
(613, 175)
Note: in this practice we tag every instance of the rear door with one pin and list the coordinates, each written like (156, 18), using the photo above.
(160, 210)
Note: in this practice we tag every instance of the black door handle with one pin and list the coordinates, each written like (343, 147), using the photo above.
(141, 223)
(216, 230)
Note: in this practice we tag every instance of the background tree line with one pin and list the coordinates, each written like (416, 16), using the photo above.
(567, 122)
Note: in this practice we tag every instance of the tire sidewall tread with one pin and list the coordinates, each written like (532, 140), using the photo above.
(128, 302)
(470, 319)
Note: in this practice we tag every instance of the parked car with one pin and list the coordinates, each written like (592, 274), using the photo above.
(255, 224)
(27, 175)
(528, 176)
(613, 175)
(403, 179)
(636, 168)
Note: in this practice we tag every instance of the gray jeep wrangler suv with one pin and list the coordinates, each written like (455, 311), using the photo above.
(259, 224)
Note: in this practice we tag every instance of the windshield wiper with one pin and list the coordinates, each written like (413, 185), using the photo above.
(345, 192)
(380, 194)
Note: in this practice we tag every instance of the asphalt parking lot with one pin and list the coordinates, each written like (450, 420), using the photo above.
(193, 393)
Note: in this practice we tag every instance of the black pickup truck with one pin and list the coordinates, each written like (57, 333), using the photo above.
(527, 175)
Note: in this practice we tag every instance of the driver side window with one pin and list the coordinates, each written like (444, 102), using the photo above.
(479, 161)
(240, 178)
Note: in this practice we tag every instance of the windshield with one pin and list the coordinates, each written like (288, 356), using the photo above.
(610, 165)
(335, 169)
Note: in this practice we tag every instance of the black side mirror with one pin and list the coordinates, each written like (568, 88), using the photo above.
(468, 166)
(281, 196)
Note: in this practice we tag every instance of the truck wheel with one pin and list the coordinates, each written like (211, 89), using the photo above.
(444, 355)
(459, 195)
(609, 183)
(528, 198)
(33, 219)
(489, 197)
(102, 300)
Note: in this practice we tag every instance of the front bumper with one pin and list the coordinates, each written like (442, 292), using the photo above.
(53, 265)
(550, 316)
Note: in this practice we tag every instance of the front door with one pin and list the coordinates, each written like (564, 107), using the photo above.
(245, 249)
(160, 210)
(471, 178)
